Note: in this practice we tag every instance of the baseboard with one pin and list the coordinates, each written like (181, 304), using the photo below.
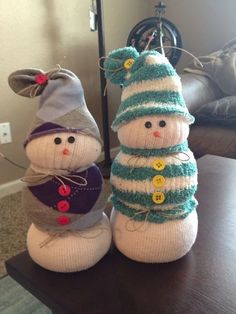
(11, 187)
(16, 185)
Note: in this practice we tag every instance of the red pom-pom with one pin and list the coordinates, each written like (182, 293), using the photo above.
(41, 79)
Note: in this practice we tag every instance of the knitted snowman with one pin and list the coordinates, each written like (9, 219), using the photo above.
(154, 177)
(64, 194)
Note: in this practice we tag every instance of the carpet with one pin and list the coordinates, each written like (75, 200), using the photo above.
(16, 300)
(13, 228)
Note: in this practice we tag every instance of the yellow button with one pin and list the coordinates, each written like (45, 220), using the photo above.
(128, 63)
(158, 181)
(158, 164)
(158, 197)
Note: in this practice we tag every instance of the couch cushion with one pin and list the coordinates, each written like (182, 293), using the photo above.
(198, 90)
(212, 139)
(221, 111)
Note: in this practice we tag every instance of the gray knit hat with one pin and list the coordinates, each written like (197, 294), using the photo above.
(62, 106)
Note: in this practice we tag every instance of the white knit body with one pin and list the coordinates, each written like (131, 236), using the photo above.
(72, 251)
(154, 243)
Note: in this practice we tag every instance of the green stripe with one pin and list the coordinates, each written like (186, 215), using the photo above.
(179, 148)
(140, 112)
(144, 199)
(156, 216)
(151, 72)
(141, 60)
(145, 173)
(165, 97)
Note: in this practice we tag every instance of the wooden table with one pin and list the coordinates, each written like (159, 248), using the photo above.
(204, 281)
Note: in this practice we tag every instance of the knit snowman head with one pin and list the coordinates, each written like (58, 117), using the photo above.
(150, 132)
(152, 113)
(63, 135)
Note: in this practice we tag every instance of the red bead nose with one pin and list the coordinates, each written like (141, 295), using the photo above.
(157, 134)
(66, 151)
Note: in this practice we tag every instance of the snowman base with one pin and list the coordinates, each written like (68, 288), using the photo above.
(72, 251)
(154, 243)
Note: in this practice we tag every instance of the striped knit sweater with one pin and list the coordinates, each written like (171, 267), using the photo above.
(132, 183)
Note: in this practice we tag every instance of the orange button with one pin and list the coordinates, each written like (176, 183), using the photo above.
(158, 164)
(63, 206)
(64, 190)
(158, 181)
(158, 197)
(63, 220)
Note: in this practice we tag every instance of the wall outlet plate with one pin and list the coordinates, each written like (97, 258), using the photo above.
(5, 133)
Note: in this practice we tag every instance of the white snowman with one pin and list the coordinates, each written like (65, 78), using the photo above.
(64, 195)
(154, 177)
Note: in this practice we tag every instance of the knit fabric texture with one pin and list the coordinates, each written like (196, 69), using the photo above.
(150, 87)
(64, 193)
(64, 187)
(154, 176)
(133, 189)
(62, 105)
(86, 202)
(71, 251)
(154, 243)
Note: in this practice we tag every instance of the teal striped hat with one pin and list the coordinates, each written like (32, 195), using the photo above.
(151, 85)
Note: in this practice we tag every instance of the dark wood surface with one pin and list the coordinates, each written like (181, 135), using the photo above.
(204, 281)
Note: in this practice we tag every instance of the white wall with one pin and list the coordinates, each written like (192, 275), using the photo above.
(42, 33)
(205, 25)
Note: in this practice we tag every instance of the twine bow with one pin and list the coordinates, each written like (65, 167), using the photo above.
(69, 177)
(34, 88)
(163, 213)
(80, 234)
(131, 221)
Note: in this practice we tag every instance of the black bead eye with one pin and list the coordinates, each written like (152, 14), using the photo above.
(71, 139)
(162, 123)
(148, 124)
(57, 140)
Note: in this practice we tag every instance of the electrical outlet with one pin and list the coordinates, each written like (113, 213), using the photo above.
(5, 133)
